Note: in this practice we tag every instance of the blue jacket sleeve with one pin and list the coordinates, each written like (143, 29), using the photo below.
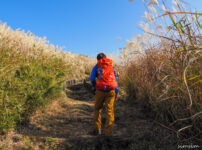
(93, 75)
(117, 89)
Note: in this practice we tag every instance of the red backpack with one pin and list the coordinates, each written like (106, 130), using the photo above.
(106, 79)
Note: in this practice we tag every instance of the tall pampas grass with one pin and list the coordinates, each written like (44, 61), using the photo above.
(164, 72)
(32, 71)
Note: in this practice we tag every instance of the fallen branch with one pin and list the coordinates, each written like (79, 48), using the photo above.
(162, 125)
(183, 119)
(184, 128)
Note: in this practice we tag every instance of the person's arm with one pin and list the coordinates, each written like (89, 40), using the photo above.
(93, 75)
(117, 89)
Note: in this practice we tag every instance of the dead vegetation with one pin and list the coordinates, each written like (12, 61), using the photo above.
(162, 68)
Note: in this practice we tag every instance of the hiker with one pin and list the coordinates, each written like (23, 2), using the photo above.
(104, 80)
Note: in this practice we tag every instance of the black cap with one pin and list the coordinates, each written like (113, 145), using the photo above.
(100, 56)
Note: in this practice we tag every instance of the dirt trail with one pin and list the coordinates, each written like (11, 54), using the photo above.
(68, 122)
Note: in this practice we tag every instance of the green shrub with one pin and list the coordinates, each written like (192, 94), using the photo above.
(27, 85)
(31, 73)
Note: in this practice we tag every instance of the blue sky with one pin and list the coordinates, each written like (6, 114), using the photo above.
(81, 26)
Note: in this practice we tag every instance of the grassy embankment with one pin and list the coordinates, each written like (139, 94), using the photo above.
(162, 68)
(32, 72)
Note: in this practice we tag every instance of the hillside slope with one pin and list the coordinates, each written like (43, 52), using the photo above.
(32, 71)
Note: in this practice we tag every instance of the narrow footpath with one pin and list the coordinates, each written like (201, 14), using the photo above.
(67, 123)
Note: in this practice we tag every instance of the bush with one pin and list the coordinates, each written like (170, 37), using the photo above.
(27, 85)
(31, 73)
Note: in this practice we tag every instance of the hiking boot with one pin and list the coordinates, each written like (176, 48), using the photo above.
(96, 132)
(107, 137)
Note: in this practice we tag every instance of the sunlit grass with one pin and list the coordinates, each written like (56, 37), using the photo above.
(31, 72)
(164, 66)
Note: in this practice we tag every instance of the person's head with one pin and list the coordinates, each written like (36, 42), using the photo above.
(100, 56)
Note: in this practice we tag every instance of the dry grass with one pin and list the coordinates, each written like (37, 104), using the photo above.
(164, 73)
(31, 72)
(30, 46)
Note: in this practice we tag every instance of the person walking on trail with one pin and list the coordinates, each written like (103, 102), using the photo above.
(104, 79)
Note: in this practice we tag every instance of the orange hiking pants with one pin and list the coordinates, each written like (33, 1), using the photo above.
(105, 99)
